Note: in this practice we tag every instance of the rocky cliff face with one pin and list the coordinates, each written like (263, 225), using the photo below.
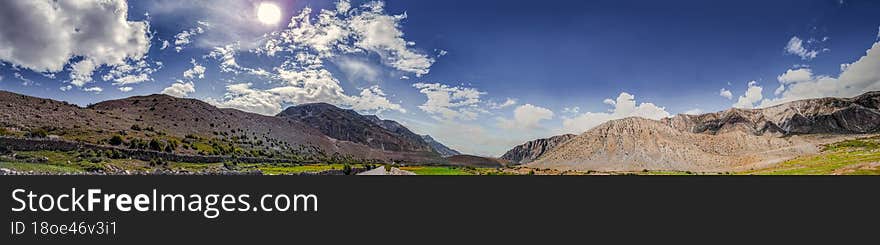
(534, 149)
(350, 126)
(721, 141)
(443, 150)
(814, 116)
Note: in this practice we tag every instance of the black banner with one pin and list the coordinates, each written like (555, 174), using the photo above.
(451, 209)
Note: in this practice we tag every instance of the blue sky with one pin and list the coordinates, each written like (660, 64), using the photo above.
(512, 70)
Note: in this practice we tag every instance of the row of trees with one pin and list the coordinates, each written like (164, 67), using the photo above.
(153, 144)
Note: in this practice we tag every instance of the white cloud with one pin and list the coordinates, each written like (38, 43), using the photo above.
(226, 55)
(855, 78)
(754, 94)
(94, 89)
(624, 106)
(365, 29)
(609, 101)
(795, 46)
(695, 111)
(526, 117)
(198, 71)
(304, 86)
(358, 69)
(180, 89)
(571, 110)
(726, 93)
(450, 102)
(373, 99)
(507, 103)
(131, 73)
(185, 37)
(229, 21)
(794, 76)
(241, 96)
(24, 81)
(779, 89)
(96, 31)
(345, 36)
(125, 89)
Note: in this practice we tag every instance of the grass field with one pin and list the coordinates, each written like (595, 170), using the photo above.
(437, 170)
(296, 169)
(851, 157)
(40, 168)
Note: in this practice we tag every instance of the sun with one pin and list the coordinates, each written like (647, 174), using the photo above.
(268, 13)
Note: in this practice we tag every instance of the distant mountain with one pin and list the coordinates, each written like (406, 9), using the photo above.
(198, 128)
(438, 147)
(350, 126)
(731, 139)
(813, 116)
(534, 149)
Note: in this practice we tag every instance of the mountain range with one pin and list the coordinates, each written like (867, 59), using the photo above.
(727, 140)
(733, 139)
(314, 131)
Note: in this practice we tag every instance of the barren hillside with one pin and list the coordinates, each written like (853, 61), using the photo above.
(732, 139)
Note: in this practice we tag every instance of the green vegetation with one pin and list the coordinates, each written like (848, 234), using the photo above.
(38, 133)
(116, 140)
(438, 170)
(277, 169)
(851, 157)
(40, 168)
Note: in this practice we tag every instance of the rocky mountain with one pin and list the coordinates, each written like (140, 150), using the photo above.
(350, 126)
(401, 130)
(534, 149)
(731, 139)
(860, 114)
(198, 127)
(438, 147)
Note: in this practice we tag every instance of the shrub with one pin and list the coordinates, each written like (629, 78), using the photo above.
(136, 127)
(155, 145)
(116, 140)
(155, 162)
(346, 169)
(38, 133)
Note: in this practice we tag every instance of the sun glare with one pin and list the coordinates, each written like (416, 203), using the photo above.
(268, 13)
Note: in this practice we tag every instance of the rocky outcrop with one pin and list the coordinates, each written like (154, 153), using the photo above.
(438, 147)
(348, 125)
(534, 149)
(856, 115)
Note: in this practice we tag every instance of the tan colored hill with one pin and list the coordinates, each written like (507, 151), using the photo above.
(728, 140)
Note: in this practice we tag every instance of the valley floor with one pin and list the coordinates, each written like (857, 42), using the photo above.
(850, 157)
